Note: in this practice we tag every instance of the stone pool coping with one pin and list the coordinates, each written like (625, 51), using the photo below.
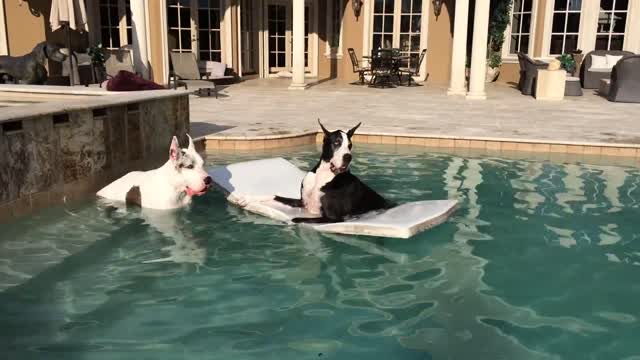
(235, 142)
(68, 99)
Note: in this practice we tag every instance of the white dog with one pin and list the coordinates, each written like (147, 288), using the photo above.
(171, 186)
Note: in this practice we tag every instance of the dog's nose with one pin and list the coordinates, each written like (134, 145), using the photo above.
(207, 180)
(346, 158)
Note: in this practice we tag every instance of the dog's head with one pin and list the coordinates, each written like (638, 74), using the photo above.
(189, 175)
(336, 148)
(46, 50)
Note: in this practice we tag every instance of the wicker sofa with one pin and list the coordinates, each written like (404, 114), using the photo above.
(625, 80)
(590, 77)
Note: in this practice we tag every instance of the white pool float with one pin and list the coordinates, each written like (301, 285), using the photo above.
(277, 176)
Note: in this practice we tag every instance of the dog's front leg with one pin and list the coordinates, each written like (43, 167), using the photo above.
(243, 200)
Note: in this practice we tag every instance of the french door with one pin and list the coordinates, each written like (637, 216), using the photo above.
(195, 26)
(279, 34)
(398, 24)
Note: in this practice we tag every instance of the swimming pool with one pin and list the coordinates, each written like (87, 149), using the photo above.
(541, 261)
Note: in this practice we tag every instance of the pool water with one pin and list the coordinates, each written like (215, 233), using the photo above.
(541, 261)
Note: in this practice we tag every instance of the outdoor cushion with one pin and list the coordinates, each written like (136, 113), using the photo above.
(217, 69)
(602, 70)
(598, 62)
(280, 177)
(612, 60)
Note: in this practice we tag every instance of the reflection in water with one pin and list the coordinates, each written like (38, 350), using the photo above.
(539, 262)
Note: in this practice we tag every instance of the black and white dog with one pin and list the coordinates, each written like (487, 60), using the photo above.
(330, 190)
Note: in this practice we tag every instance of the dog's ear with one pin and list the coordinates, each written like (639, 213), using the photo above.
(174, 150)
(353, 130)
(192, 147)
(326, 132)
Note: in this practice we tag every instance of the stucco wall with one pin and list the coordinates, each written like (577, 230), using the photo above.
(353, 29)
(28, 25)
(509, 73)
(440, 44)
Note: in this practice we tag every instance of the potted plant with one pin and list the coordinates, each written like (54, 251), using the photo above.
(493, 66)
(97, 61)
(568, 63)
(498, 22)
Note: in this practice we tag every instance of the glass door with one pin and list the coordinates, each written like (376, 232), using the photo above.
(194, 26)
(397, 24)
(182, 36)
(280, 36)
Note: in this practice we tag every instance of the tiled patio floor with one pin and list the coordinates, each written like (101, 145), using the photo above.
(266, 107)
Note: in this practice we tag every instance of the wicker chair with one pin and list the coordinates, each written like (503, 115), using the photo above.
(625, 80)
(528, 73)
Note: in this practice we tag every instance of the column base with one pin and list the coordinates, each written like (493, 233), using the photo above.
(476, 96)
(461, 92)
(293, 86)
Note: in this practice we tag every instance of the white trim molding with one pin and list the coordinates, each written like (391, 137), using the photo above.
(4, 34)
(332, 6)
(164, 25)
(507, 56)
(227, 43)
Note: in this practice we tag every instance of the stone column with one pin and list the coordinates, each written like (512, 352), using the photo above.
(139, 33)
(297, 83)
(479, 51)
(4, 48)
(459, 53)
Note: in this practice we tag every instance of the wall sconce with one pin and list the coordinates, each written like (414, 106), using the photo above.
(437, 7)
(357, 7)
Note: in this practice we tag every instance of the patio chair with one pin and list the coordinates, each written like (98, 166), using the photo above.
(415, 71)
(82, 69)
(357, 66)
(528, 73)
(590, 76)
(383, 68)
(625, 80)
(186, 73)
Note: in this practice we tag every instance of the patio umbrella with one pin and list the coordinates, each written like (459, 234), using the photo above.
(70, 14)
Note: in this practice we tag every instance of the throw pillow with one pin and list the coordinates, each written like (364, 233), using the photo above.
(598, 62)
(613, 60)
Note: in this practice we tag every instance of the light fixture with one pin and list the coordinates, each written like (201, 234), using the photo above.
(357, 6)
(437, 7)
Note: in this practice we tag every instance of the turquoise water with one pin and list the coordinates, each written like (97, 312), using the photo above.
(541, 261)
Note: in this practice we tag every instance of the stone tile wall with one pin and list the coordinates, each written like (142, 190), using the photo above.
(49, 160)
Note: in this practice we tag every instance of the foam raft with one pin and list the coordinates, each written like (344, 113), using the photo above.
(263, 178)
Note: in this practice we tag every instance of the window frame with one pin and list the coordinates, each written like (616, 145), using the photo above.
(123, 25)
(507, 56)
(611, 33)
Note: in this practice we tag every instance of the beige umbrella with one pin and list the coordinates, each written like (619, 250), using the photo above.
(68, 12)
(72, 15)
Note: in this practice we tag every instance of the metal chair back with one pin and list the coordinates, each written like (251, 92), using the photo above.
(185, 65)
(354, 60)
(117, 60)
(382, 60)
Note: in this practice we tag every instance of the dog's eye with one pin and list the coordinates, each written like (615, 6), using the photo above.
(337, 143)
(190, 166)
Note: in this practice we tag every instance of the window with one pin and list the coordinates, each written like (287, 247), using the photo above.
(209, 14)
(612, 20)
(397, 24)
(565, 26)
(115, 23)
(179, 19)
(520, 40)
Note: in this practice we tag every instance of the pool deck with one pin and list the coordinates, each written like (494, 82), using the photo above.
(263, 109)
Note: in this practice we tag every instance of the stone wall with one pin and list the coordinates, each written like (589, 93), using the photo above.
(53, 159)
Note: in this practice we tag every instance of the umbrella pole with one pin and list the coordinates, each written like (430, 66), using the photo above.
(71, 72)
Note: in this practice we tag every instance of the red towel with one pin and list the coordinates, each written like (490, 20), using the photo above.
(128, 81)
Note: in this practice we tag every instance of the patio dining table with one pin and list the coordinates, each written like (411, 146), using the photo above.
(386, 70)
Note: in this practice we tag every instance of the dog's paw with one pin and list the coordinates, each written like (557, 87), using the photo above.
(243, 200)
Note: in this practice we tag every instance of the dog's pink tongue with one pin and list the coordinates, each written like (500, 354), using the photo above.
(191, 192)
